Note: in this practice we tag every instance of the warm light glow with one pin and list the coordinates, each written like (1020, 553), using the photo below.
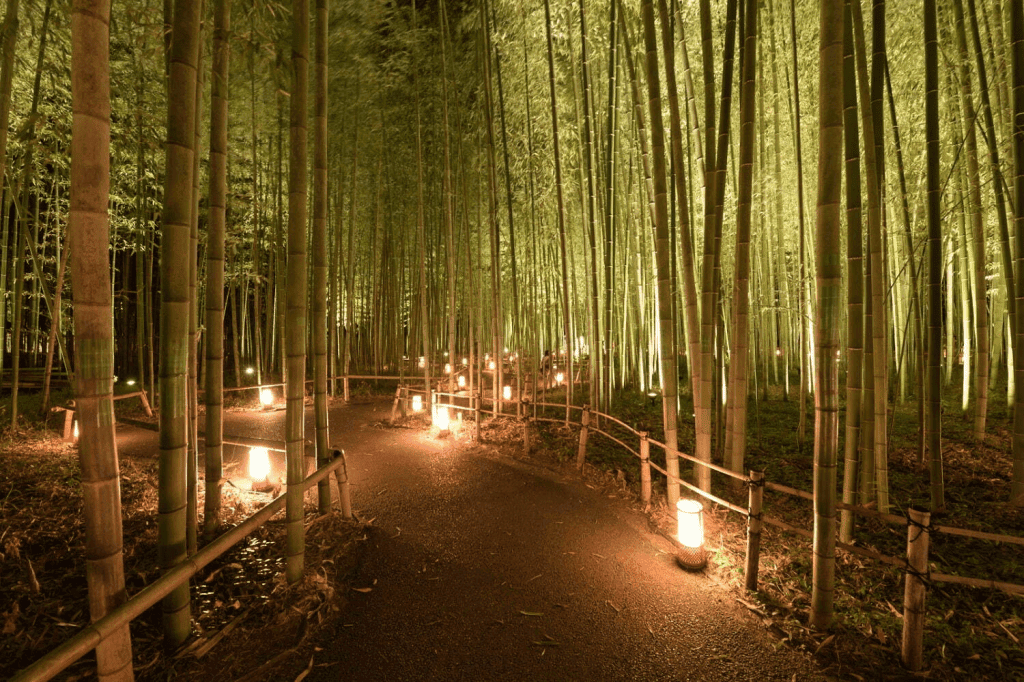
(462, 382)
(423, 362)
(250, 370)
(506, 393)
(446, 353)
(259, 464)
(441, 417)
(74, 431)
(465, 361)
(417, 403)
(131, 382)
(491, 365)
(267, 397)
(559, 378)
(778, 352)
(448, 368)
(690, 523)
(506, 349)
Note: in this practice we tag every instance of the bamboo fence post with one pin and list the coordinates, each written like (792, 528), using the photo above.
(756, 497)
(394, 406)
(344, 491)
(478, 401)
(914, 588)
(145, 403)
(645, 470)
(526, 436)
(584, 435)
(69, 419)
(404, 403)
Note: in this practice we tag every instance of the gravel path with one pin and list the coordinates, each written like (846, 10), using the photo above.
(481, 568)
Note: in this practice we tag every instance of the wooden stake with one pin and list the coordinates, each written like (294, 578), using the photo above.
(754, 529)
(526, 436)
(914, 589)
(645, 470)
(394, 406)
(584, 434)
(344, 492)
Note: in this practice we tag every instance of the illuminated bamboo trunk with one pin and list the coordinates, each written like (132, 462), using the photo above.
(215, 267)
(1017, 40)
(295, 314)
(323, 454)
(174, 311)
(88, 229)
(828, 309)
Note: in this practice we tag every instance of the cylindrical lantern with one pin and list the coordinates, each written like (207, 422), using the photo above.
(690, 534)
(491, 365)
(441, 417)
(448, 368)
(250, 370)
(423, 362)
(506, 393)
(465, 361)
(417, 403)
(74, 432)
(559, 378)
(462, 381)
(259, 464)
(266, 397)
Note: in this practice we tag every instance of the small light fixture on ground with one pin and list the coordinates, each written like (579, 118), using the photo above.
(250, 371)
(465, 361)
(422, 362)
(491, 365)
(506, 393)
(559, 378)
(690, 534)
(259, 465)
(417, 403)
(442, 419)
(266, 397)
(448, 368)
(462, 381)
(131, 382)
(74, 432)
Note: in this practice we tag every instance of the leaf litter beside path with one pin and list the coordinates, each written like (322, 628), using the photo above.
(239, 599)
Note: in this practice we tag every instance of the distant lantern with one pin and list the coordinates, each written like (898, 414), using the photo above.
(448, 368)
(423, 362)
(462, 381)
(465, 361)
(266, 397)
(690, 534)
(559, 378)
(491, 365)
(250, 371)
(259, 464)
(417, 403)
(506, 393)
(131, 382)
(778, 352)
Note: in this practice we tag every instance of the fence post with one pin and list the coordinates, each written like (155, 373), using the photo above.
(526, 436)
(914, 588)
(478, 400)
(344, 493)
(145, 403)
(756, 497)
(394, 406)
(645, 470)
(69, 418)
(584, 434)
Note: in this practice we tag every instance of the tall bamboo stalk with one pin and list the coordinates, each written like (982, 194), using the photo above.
(88, 227)
(828, 309)
(1017, 52)
(323, 454)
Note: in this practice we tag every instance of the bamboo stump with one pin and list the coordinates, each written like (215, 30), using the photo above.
(645, 470)
(581, 456)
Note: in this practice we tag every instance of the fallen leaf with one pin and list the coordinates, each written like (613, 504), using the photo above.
(362, 589)
(531, 613)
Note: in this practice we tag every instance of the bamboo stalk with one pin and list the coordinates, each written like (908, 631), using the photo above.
(914, 589)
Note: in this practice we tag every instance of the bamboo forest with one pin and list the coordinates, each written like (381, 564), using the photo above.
(512, 339)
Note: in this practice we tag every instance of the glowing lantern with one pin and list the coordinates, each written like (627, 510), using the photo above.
(462, 382)
(559, 378)
(441, 418)
(690, 533)
(74, 432)
(259, 464)
(465, 361)
(417, 403)
(448, 368)
(250, 371)
(131, 382)
(778, 352)
(491, 365)
(266, 397)
(506, 393)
